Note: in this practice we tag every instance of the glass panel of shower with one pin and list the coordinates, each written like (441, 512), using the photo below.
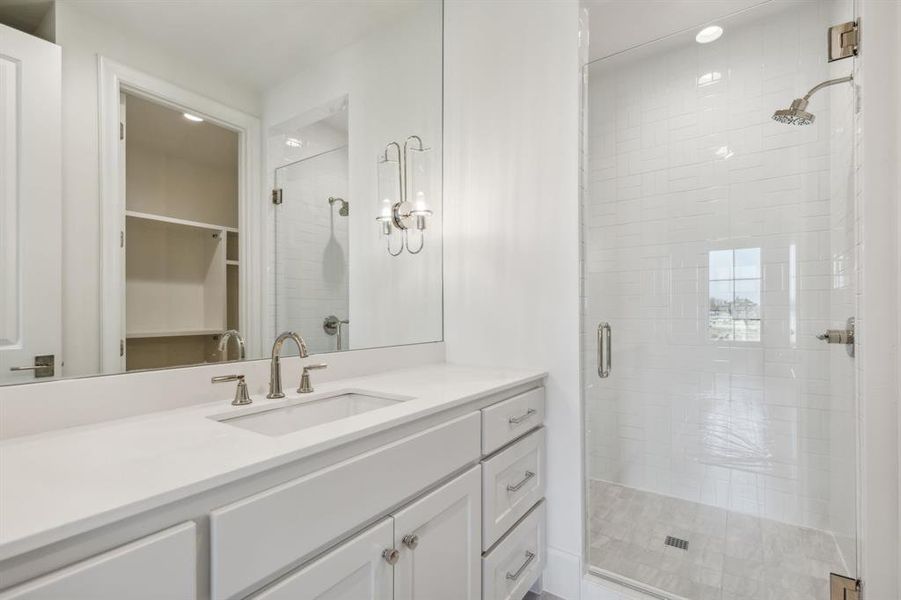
(312, 244)
(718, 243)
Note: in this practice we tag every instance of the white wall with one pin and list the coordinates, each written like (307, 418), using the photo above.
(880, 331)
(83, 38)
(392, 81)
(512, 223)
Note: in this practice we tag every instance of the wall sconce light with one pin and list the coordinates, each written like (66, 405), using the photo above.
(404, 177)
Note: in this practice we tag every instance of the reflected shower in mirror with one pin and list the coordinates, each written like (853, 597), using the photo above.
(188, 181)
(312, 233)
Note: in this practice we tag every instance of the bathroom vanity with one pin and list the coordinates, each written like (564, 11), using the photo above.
(420, 483)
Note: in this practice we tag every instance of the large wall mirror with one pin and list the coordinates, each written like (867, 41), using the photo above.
(180, 181)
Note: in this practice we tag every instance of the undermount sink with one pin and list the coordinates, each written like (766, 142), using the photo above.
(302, 414)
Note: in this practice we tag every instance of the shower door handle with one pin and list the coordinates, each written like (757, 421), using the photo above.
(605, 337)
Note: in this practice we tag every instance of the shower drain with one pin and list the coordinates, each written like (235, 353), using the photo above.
(676, 542)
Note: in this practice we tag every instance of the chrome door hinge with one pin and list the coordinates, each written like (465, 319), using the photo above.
(121, 239)
(121, 347)
(277, 196)
(843, 588)
(121, 130)
(844, 40)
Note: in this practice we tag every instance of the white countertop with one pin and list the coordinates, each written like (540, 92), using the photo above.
(58, 484)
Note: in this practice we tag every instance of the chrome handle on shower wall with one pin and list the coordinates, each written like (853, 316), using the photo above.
(605, 337)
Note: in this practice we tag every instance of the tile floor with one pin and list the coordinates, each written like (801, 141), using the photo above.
(730, 556)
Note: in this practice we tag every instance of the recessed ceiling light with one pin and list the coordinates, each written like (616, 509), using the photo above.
(191, 117)
(709, 34)
(293, 142)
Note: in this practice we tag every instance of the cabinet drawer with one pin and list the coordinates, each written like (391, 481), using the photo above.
(257, 537)
(162, 565)
(512, 482)
(355, 570)
(505, 421)
(510, 569)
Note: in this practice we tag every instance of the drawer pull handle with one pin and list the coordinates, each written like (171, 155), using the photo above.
(516, 488)
(411, 541)
(530, 556)
(391, 556)
(521, 418)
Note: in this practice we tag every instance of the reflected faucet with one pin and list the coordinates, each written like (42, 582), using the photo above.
(223, 343)
(275, 368)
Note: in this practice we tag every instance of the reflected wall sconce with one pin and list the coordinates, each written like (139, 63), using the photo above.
(404, 179)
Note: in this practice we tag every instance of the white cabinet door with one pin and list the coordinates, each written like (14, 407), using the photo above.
(439, 540)
(30, 222)
(355, 570)
(162, 566)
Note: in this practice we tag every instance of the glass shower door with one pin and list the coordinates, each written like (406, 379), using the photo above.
(721, 450)
(311, 249)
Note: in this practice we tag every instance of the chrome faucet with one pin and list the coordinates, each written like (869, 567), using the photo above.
(223, 343)
(275, 368)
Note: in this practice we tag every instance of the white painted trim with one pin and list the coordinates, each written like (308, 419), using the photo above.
(880, 300)
(562, 574)
(114, 76)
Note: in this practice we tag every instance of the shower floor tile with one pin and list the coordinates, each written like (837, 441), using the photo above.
(730, 555)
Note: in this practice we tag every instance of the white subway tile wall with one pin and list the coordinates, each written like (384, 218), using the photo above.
(685, 166)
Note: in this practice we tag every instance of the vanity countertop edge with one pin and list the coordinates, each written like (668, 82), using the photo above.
(62, 483)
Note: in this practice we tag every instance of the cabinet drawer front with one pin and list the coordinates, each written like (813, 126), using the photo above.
(510, 569)
(264, 534)
(505, 421)
(512, 482)
(355, 570)
(163, 565)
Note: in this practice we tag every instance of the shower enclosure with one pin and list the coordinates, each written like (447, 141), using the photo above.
(312, 244)
(719, 245)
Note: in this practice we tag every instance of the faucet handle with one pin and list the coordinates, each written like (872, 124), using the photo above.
(305, 386)
(241, 396)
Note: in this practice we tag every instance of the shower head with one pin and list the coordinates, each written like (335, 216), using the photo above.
(796, 113)
(344, 209)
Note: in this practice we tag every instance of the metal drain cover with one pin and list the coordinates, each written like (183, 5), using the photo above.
(676, 542)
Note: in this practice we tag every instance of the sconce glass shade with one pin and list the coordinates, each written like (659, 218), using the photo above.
(419, 180)
(389, 181)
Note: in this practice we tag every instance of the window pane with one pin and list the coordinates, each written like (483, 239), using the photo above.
(747, 299)
(747, 330)
(720, 310)
(747, 263)
(720, 264)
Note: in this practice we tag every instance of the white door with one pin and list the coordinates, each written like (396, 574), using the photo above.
(355, 570)
(439, 541)
(30, 219)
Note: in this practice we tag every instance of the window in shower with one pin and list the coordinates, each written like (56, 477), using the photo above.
(734, 291)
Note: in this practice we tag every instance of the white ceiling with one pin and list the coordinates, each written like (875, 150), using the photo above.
(617, 25)
(253, 42)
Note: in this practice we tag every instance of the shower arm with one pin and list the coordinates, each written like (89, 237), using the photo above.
(820, 86)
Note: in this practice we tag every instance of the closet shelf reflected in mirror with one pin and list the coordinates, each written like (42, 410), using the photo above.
(181, 242)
